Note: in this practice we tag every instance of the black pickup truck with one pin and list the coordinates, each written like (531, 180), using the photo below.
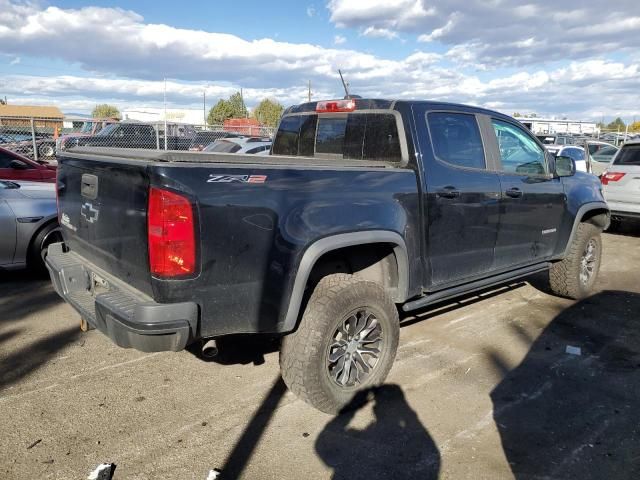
(364, 207)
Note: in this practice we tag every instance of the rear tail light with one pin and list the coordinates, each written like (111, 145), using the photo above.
(171, 234)
(611, 177)
(331, 106)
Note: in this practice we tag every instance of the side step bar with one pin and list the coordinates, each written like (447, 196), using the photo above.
(474, 286)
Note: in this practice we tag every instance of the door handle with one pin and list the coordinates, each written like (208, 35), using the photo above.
(448, 192)
(514, 192)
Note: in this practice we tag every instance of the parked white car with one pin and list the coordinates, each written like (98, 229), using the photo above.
(621, 182)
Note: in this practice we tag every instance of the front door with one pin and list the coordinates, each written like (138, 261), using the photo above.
(461, 197)
(532, 201)
(13, 168)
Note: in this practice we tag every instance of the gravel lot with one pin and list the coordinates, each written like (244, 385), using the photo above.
(482, 388)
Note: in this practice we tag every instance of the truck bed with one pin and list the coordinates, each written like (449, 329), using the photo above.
(175, 156)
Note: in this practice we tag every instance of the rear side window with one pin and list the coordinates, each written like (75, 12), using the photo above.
(576, 154)
(629, 155)
(356, 136)
(456, 139)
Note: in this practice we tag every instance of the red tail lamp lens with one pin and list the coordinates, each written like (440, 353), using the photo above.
(170, 230)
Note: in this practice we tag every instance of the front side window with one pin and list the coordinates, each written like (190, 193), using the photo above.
(605, 154)
(519, 153)
(456, 139)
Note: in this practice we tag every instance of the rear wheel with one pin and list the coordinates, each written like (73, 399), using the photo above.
(38, 251)
(346, 341)
(575, 276)
(46, 150)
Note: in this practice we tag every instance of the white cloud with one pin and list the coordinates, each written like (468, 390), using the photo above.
(339, 39)
(498, 33)
(311, 11)
(128, 58)
(379, 33)
(15, 61)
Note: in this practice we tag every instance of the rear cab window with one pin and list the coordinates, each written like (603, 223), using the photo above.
(628, 155)
(354, 136)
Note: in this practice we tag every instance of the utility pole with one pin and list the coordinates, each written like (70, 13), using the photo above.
(244, 107)
(309, 93)
(165, 113)
(204, 108)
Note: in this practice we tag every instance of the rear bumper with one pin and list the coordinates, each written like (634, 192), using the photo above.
(128, 317)
(624, 209)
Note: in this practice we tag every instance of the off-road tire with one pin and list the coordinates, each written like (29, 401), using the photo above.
(564, 276)
(303, 354)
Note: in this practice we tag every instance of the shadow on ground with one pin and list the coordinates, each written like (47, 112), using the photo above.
(576, 416)
(23, 293)
(627, 227)
(394, 445)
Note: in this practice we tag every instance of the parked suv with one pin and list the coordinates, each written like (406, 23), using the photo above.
(364, 207)
(621, 182)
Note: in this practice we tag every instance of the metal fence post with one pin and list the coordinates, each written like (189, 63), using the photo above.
(33, 140)
(157, 127)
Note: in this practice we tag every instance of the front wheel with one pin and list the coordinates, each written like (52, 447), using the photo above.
(346, 341)
(575, 276)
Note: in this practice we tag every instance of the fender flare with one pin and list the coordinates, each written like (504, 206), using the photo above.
(587, 207)
(334, 242)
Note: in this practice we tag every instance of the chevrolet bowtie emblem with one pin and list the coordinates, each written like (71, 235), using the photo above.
(89, 213)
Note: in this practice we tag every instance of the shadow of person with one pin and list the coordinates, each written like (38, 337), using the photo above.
(394, 445)
(565, 416)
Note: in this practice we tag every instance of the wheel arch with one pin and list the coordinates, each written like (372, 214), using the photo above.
(323, 247)
(596, 213)
(52, 221)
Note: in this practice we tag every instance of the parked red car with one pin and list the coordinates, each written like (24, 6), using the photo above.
(14, 166)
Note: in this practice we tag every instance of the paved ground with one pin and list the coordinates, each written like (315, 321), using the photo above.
(480, 389)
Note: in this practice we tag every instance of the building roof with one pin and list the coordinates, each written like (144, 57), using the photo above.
(552, 120)
(29, 111)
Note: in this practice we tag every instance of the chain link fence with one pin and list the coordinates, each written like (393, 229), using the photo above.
(43, 139)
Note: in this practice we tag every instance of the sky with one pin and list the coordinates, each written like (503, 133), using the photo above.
(574, 59)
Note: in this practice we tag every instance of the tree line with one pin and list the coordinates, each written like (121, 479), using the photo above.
(267, 112)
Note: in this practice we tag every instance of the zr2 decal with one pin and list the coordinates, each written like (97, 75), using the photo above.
(237, 178)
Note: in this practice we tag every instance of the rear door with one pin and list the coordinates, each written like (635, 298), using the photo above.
(532, 202)
(461, 195)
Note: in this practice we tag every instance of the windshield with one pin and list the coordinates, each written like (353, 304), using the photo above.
(87, 127)
(107, 130)
(6, 185)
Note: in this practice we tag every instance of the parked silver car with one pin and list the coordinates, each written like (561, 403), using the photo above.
(28, 223)
(248, 145)
(621, 182)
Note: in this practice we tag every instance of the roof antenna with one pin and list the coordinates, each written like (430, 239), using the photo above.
(345, 85)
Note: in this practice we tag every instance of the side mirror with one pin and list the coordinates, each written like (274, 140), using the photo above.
(18, 165)
(565, 166)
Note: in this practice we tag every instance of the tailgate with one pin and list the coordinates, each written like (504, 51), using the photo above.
(103, 212)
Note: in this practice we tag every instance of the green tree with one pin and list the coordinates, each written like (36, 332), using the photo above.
(617, 124)
(232, 108)
(635, 127)
(2, 102)
(268, 112)
(105, 110)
